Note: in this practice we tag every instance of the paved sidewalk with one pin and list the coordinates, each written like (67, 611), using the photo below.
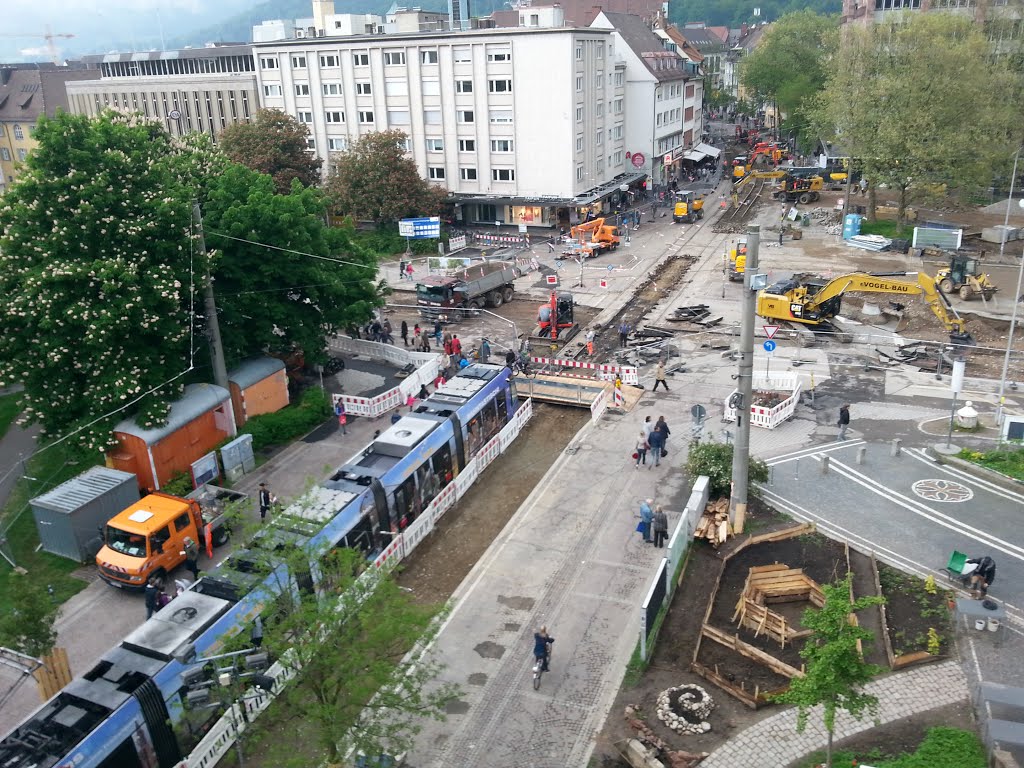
(774, 742)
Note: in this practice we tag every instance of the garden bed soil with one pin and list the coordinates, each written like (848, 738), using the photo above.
(824, 561)
(911, 611)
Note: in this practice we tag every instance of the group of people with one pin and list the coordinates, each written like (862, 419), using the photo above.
(653, 525)
(155, 596)
(653, 439)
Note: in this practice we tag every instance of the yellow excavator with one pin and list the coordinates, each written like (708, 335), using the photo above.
(815, 303)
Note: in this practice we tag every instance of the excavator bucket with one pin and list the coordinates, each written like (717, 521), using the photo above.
(962, 339)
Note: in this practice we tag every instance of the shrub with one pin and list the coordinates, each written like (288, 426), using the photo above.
(313, 409)
(944, 748)
(715, 461)
(1009, 462)
(179, 485)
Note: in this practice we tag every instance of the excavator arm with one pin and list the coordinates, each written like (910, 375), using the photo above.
(760, 175)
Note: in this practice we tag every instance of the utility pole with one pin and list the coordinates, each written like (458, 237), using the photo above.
(220, 371)
(745, 388)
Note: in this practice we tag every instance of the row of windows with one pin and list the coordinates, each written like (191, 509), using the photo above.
(598, 51)
(190, 66)
(401, 116)
(668, 117)
(598, 81)
(461, 55)
(17, 131)
(5, 154)
(614, 160)
(670, 91)
(159, 106)
(437, 173)
(392, 88)
(469, 145)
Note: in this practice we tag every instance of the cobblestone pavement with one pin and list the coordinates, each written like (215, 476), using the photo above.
(774, 742)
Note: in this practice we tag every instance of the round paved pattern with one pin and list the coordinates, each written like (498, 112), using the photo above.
(935, 489)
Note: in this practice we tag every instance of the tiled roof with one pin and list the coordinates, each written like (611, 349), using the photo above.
(28, 91)
(637, 34)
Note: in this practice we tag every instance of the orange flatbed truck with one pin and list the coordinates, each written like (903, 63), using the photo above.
(148, 539)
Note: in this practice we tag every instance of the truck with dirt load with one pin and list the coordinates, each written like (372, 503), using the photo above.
(452, 297)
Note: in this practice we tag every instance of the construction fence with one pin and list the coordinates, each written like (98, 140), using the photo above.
(426, 364)
(664, 582)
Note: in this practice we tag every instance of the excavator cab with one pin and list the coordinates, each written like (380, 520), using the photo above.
(560, 308)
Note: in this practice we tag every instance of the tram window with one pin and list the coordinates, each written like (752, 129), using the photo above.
(304, 581)
(429, 486)
(361, 536)
(443, 465)
(474, 438)
(491, 423)
(405, 503)
(502, 409)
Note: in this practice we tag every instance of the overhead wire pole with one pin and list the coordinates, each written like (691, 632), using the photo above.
(220, 371)
(745, 388)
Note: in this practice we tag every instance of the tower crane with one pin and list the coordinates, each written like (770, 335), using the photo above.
(49, 37)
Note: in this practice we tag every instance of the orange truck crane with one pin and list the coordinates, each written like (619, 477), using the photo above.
(601, 237)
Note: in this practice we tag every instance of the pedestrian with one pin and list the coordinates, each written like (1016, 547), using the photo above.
(647, 426)
(660, 527)
(485, 351)
(448, 345)
(656, 442)
(266, 498)
(438, 332)
(646, 518)
(191, 554)
(662, 426)
(162, 599)
(401, 269)
(510, 360)
(151, 594)
(404, 331)
(396, 416)
(623, 334)
(863, 186)
(640, 453)
(410, 402)
(782, 230)
(844, 422)
(409, 271)
(424, 392)
(386, 332)
(416, 331)
(425, 343)
(590, 342)
(339, 411)
(982, 575)
(659, 376)
(551, 245)
(456, 345)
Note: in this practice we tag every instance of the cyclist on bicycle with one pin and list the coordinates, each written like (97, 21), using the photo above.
(542, 647)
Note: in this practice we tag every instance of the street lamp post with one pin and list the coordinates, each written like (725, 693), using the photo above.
(1013, 320)
(1009, 200)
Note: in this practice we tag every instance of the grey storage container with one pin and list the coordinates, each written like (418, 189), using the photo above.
(70, 516)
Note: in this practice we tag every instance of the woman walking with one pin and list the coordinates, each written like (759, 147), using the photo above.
(404, 331)
(641, 450)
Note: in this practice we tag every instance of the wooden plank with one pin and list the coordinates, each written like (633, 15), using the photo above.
(53, 675)
(881, 608)
(745, 649)
(725, 685)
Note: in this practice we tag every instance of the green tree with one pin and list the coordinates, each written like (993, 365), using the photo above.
(715, 460)
(788, 66)
(95, 272)
(922, 103)
(375, 181)
(356, 681)
(273, 143)
(284, 279)
(29, 626)
(835, 670)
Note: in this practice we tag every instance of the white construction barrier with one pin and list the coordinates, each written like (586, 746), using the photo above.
(771, 417)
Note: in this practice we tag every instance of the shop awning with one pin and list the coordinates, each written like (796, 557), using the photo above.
(694, 155)
(707, 149)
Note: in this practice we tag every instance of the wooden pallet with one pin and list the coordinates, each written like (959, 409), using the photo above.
(772, 584)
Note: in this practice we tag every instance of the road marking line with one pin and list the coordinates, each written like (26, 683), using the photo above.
(805, 452)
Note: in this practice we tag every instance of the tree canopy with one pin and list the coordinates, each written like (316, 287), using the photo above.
(922, 102)
(788, 66)
(95, 269)
(283, 279)
(375, 181)
(835, 670)
(275, 144)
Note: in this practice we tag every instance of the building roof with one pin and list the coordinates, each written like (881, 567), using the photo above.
(213, 50)
(722, 33)
(30, 90)
(197, 400)
(252, 371)
(637, 34)
(673, 33)
(702, 39)
(80, 490)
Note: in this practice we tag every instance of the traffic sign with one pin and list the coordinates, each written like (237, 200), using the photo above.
(552, 279)
(769, 346)
(770, 330)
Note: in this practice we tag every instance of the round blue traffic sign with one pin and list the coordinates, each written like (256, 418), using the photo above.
(769, 346)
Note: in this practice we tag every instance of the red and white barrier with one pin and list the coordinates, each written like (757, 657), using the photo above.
(628, 373)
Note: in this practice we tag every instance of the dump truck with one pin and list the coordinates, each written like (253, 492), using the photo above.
(689, 208)
(452, 297)
(148, 538)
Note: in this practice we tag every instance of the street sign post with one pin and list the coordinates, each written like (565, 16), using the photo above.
(769, 347)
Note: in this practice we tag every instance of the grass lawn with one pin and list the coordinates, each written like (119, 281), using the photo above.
(942, 748)
(10, 407)
(50, 468)
(1010, 461)
(885, 228)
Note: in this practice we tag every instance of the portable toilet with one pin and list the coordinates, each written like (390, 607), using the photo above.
(851, 225)
(70, 516)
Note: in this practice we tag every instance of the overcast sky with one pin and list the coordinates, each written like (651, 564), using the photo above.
(100, 24)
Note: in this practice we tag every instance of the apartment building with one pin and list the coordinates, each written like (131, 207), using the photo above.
(663, 93)
(1002, 19)
(28, 91)
(522, 126)
(193, 90)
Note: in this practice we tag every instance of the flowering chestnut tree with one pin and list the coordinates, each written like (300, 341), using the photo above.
(95, 264)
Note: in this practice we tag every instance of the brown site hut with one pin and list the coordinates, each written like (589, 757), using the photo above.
(258, 386)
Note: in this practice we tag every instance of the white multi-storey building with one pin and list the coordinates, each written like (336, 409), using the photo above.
(523, 126)
(662, 90)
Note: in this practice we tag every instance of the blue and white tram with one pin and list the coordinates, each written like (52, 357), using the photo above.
(128, 710)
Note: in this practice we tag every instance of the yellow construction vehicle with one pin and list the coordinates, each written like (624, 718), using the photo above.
(803, 190)
(816, 303)
(736, 253)
(689, 207)
(964, 277)
(777, 174)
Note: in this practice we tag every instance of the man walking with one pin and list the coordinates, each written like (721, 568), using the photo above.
(656, 440)
(266, 498)
(844, 422)
(646, 519)
(151, 596)
(590, 342)
(192, 557)
(659, 376)
(660, 527)
(623, 334)
(438, 332)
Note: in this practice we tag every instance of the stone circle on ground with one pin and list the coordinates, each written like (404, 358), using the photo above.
(685, 708)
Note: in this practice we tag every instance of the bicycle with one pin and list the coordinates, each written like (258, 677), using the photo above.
(538, 669)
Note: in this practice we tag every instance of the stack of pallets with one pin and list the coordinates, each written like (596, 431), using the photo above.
(714, 523)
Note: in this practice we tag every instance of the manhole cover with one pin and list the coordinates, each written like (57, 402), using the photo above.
(942, 490)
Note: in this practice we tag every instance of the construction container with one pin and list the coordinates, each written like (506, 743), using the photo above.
(70, 517)
(787, 384)
(258, 386)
